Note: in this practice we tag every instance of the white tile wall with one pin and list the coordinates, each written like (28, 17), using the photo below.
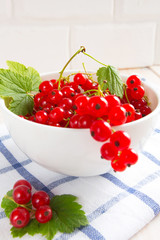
(45, 48)
(5, 9)
(90, 10)
(121, 45)
(137, 9)
(44, 33)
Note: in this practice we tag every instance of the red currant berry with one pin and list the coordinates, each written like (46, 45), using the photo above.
(40, 198)
(65, 103)
(81, 104)
(87, 85)
(54, 83)
(64, 124)
(79, 79)
(56, 115)
(85, 121)
(138, 104)
(74, 121)
(21, 194)
(45, 86)
(94, 86)
(113, 101)
(32, 118)
(97, 106)
(137, 115)
(130, 112)
(41, 117)
(68, 114)
(100, 130)
(120, 139)
(137, 92)
(37, 99)
(133, 81)
(118, 166)
(55, 96)
(68, 92)
(53, 124)
(108, 151)
(43, 102)
(145, 111)
(129, 156)
(19, 217)
(75, 87)
(76, 96)
(48, 107)
(22, 182)
(117, 116)
(43, 214)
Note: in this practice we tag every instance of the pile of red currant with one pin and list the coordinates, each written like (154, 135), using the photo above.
(29, 206)
(82, 104)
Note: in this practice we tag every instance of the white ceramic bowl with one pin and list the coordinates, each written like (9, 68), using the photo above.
(73, 151)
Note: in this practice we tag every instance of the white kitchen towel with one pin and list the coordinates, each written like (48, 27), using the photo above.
(117, 205)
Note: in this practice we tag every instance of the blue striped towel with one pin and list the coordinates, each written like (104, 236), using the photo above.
(117, 205)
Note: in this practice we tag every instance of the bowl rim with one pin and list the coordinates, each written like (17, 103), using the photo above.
(147, 83)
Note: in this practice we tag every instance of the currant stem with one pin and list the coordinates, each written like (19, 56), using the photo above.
(85, 70)
(30, 94)
(25, 206)
(82, 49)
(125, 92)
(67, 124)
(88, 74)
(94, 59)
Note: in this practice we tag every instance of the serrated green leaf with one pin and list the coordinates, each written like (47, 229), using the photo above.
(16, 67)
(17, 87)
(102, 78)
(32, 228)
(7, 204)
(15, 82)
(48, 229)
(109, 78)
(29, 72)
(36, 79)
(10, 193)
(23, 105)
(67, 213)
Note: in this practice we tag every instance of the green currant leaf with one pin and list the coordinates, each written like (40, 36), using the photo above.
(48, 229)
(109, 78)
(24, 71)
(67, 213)
(17, 88)
(7, 204)
(32, 228)
(22, 105)
(10, 193)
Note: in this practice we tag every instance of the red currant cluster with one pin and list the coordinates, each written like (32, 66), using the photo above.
(118, 152)
(135, 96)
(30, 206)
(82, 104)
